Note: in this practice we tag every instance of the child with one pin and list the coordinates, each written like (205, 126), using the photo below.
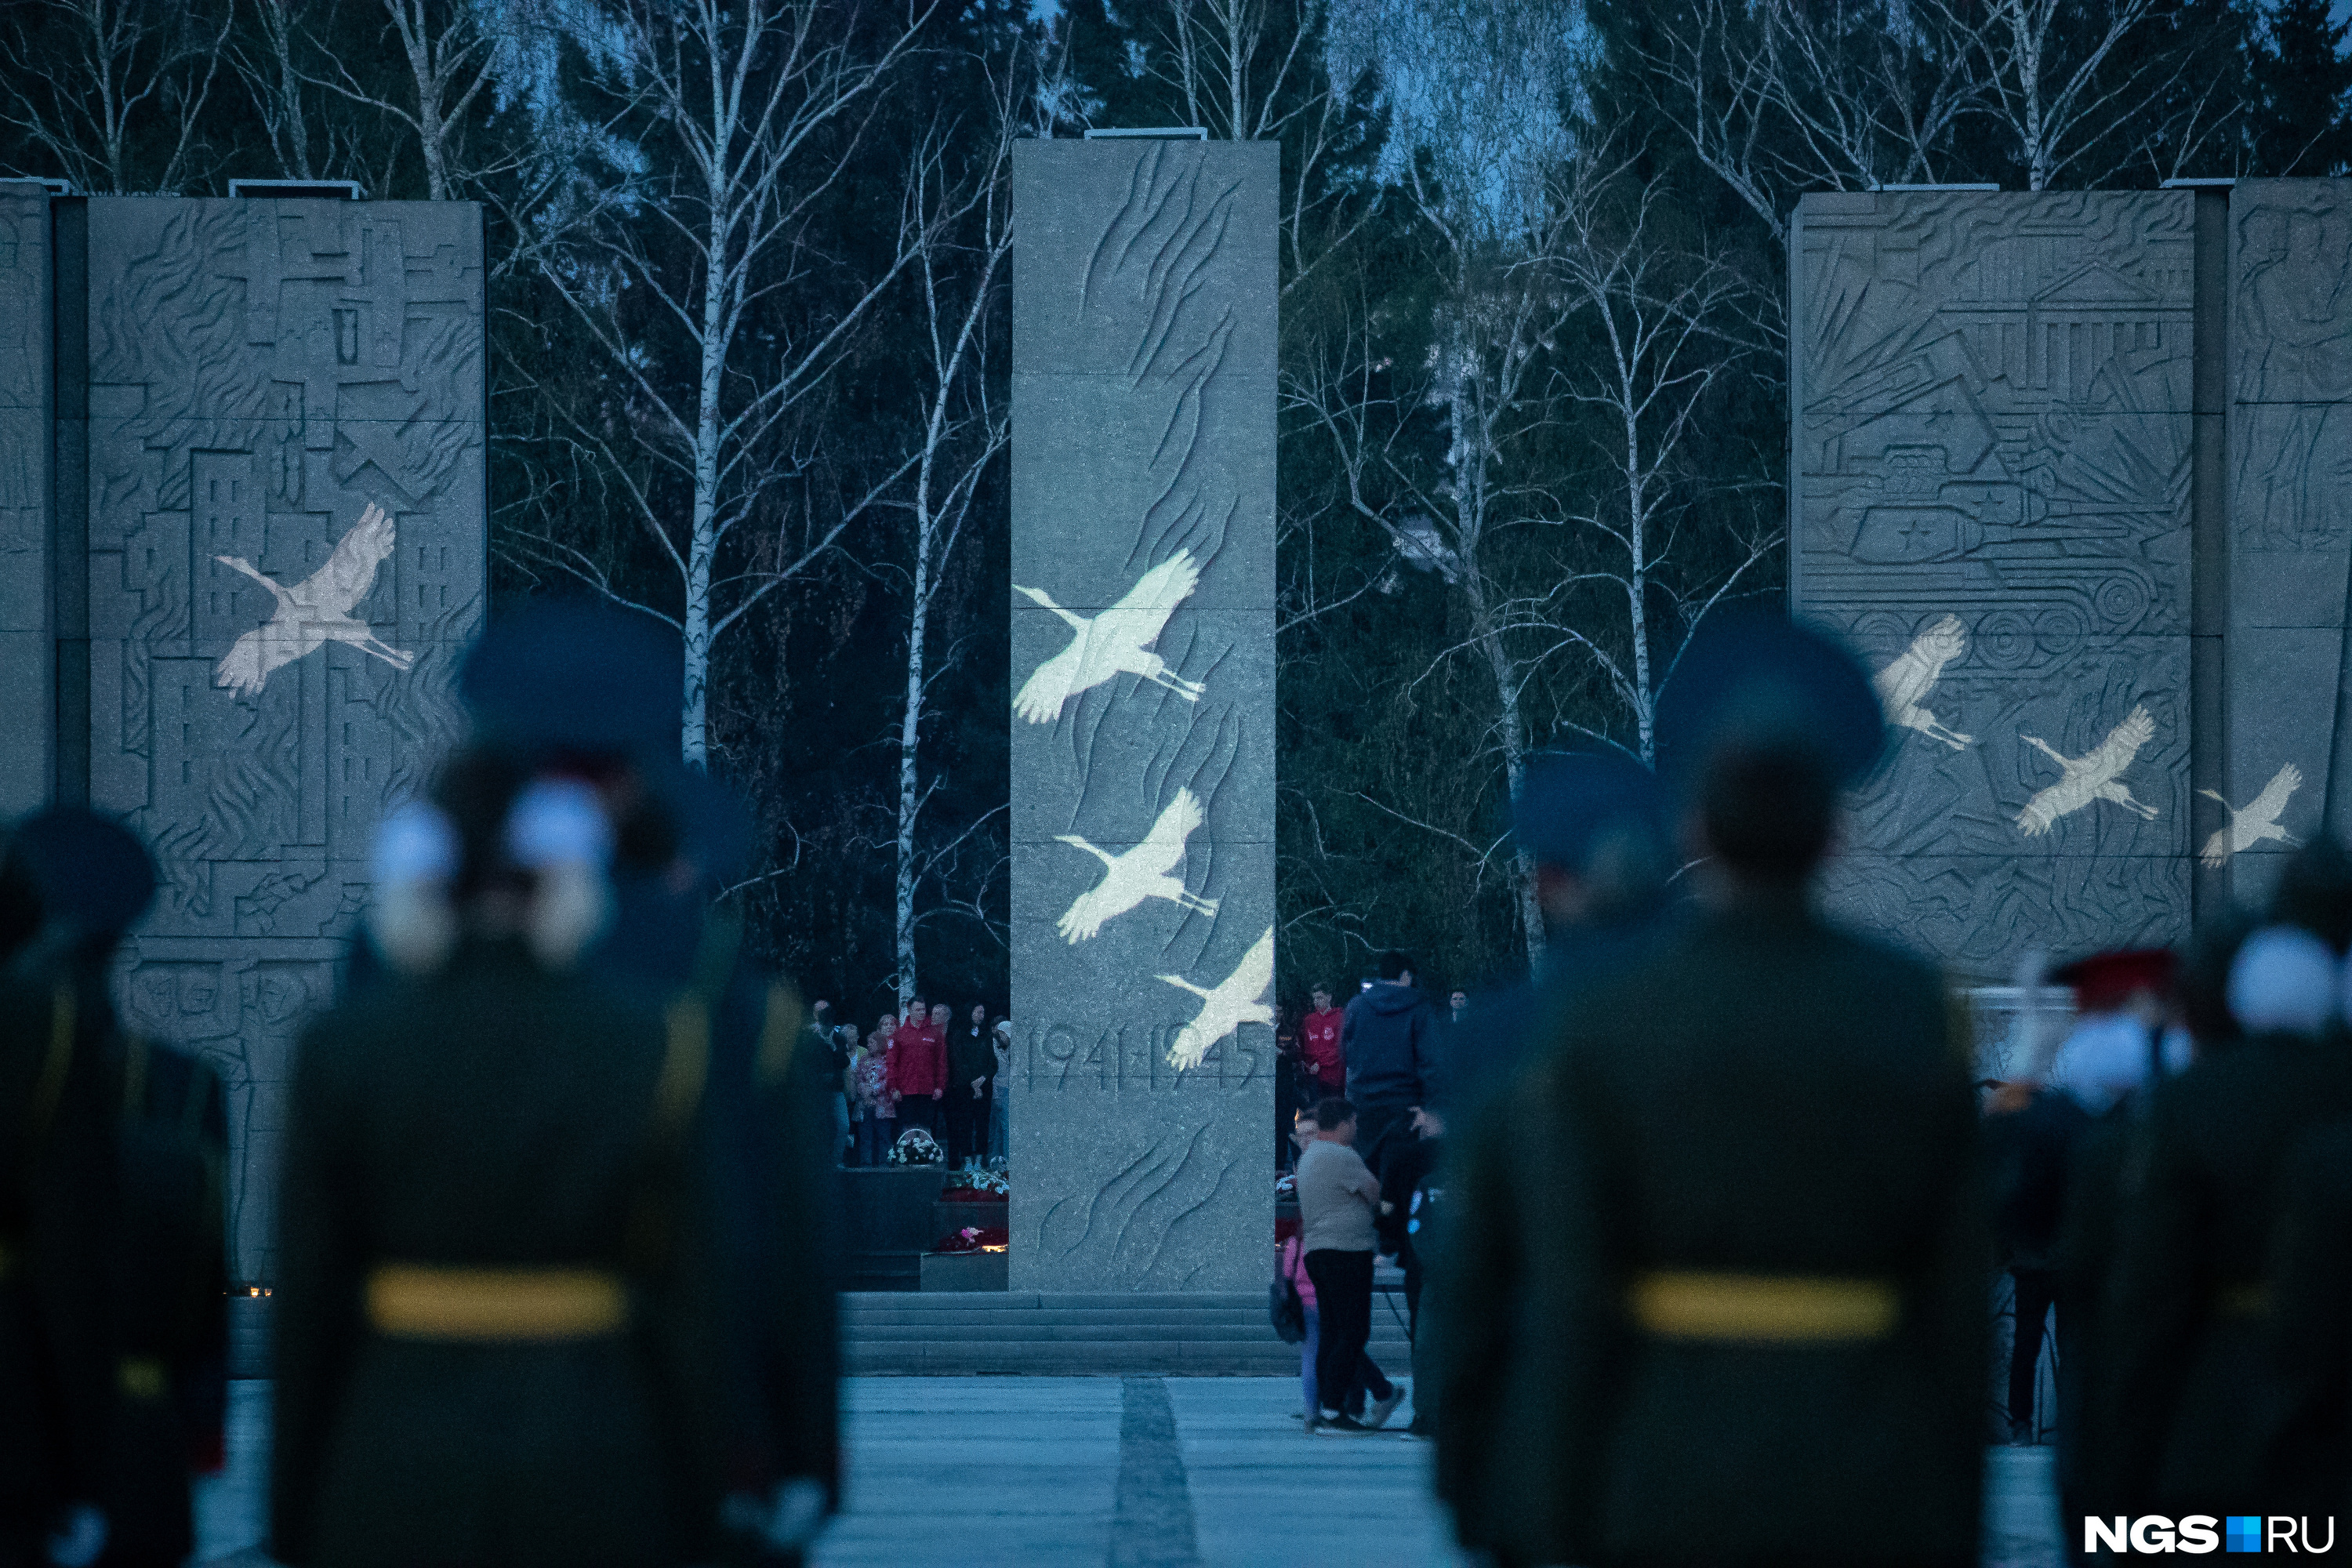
(1294, 1269)
(879, 1130)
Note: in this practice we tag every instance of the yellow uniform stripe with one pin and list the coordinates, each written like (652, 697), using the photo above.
(1762, 1309)
(421, 1302)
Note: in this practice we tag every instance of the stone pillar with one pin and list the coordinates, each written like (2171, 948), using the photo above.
(2289, 352)
(28, 500)
(281, 393)
(1143, 751)
(1989, 496)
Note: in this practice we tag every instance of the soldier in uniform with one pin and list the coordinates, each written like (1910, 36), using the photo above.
(2190, 1394)
(1591, 822)
(168, 1290)
(498, 1315)
(2310, 1452)
(1749, 1251)
(58, 1237)
(591, 694)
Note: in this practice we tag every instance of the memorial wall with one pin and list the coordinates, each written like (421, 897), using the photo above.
(2069, 470)
(1142, 749)
(246, 543)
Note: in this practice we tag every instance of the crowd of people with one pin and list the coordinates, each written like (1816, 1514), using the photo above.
(951, 1080)
(1725, 1206)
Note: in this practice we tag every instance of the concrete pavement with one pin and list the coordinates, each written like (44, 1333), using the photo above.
(1135, 1472)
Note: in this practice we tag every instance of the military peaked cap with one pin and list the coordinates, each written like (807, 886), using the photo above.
(570, 674)
(93, 873)
(1567, 800)
(1752, 676)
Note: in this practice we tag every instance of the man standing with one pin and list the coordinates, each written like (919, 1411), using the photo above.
(1742, 1204)
(824, 1046)
(1337, 1193)
(1411, 1194)
(971, 1074)
(1318, 1043)
(1389, 1037)
(918, 1070)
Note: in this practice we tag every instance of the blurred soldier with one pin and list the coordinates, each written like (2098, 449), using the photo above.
(1593, 825)
(57, 1249)
(1749, 1247)
(2310, 1452)
(2189, 1393)
(496, 1308)
(170, 1277)
(2118, 1044)
(591, 694)
(2098, 1152)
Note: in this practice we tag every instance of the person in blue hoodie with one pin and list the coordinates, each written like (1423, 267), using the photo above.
(1388, 1039)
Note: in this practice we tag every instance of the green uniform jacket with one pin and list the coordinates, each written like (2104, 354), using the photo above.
(2312, 1325)
(170, 1298)
(2189, 1395)
(493, 1116)
(1758, 1095)
(57, 1229)
(2086, 1256)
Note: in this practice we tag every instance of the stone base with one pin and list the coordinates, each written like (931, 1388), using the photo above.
(965, 1270)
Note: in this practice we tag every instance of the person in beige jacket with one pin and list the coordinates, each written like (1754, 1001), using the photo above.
(1337, 1195)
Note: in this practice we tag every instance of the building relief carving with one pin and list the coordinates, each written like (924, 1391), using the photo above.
(287, 555)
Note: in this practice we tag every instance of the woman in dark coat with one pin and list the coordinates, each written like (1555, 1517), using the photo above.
(495, 1315)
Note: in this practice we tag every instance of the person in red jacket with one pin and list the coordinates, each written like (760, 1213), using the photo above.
(1318, 1039)
(918, 1069)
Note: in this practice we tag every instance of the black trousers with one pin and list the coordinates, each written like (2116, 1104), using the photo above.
(1343, 1300)
(1372, 1124)
(967, 1119)
(2037, 1290)
(919, 1111)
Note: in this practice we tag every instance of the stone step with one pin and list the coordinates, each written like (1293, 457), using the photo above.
(1031, 1300)
(1049, 1358)
(1073, 1333)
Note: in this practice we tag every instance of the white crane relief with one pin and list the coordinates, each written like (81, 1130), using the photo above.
(2092, 776)
(315, 611)
(1238, 999)
(1117, 641)
(1905, 684)
(1146, 871)
(2256, 820)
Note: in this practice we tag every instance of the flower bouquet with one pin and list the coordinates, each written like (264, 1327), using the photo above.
(976, 1186)
(916, 1147)
(975, 1238)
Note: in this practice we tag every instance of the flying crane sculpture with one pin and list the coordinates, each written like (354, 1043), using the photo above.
(1116, 641)
(1146, 870)
(1237, 999)
(1905, 684)
(2092, 776)
(2256, 820)
(315, 611)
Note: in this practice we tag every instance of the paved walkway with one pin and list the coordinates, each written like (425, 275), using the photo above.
(1140, 1472)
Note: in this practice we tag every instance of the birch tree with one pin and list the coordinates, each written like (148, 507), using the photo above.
(1786, 96)
(111, 94)
(2065, 83)
(760, 105)
(1662, 326)
(962, 239)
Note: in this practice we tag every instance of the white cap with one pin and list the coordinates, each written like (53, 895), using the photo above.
(2284, 981)
(558, 822)
(414, 843)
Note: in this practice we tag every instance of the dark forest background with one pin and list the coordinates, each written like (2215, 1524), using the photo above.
(750, 345)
